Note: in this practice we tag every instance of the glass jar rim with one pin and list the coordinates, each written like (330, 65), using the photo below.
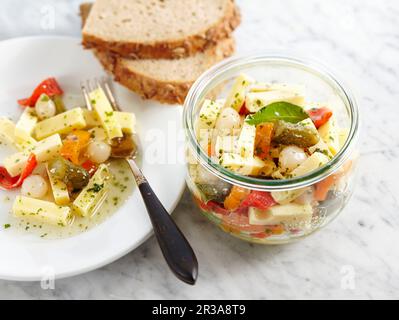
(201, 85)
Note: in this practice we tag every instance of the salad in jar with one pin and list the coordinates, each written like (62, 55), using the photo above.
(268, 131)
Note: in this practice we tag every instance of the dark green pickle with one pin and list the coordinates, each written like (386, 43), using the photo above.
(74, 176)
(295, 134)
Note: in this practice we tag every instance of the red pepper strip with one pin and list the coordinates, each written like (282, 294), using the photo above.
(320, 116)
(243, 110)
(90, 167)
(49, 86)
(8, 182)
(258, 199)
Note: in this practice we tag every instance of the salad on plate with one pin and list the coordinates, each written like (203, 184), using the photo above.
(61, 175)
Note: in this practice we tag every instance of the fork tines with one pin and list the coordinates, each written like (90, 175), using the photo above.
(98, 83)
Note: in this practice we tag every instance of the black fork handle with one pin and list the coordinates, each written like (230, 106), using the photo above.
(174, 246)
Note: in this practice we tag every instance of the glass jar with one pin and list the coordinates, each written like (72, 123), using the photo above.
(319, 85)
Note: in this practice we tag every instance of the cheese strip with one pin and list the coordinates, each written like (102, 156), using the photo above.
(257, 100)
(26, 124)
(228, 144)
(262, 86)
(236, 97)
(59, 188)
(291, 214)
(105, 113)
(330, 135)
(42, 211)
(209, 113)
(93, 194)
(98, 134)
(321, 147)
(241, 165)
(7, 135)
(61, 123)
(315, 161)
(44, 151)
(91, 118)
(126, 120)
(246, 141)
(284, 197)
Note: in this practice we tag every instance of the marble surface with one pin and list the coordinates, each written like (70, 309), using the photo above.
(354, 257)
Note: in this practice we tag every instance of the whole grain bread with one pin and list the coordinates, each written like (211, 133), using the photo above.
(164, 80)
(157, 29)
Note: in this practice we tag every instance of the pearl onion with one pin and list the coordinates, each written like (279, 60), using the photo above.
(98, 151)
(45, 107)
(34, 186)
(291, 157)
(228, 121)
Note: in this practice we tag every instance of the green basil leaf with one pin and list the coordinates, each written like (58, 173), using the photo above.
(278, 111)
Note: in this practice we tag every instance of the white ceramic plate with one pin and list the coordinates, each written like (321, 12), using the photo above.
(24, 63)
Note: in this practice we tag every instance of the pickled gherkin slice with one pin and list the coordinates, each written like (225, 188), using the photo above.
(216, 192)
(302, 134)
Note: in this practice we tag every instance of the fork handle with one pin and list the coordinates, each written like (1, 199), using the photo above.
(174, 246)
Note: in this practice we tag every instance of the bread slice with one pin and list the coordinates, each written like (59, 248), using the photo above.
(164, 80)
(158, 29)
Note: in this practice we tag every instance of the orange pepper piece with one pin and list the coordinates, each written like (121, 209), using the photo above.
(321, 188)
(209, 149)
(74, 144)
(275, 229)
(263, 139)
(235, 197)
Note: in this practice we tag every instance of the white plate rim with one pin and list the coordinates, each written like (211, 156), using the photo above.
(116, 256)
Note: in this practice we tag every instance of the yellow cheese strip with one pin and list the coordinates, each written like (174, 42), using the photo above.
(127, 120)
(228, 144)
(41, 211)
(59, 188)
(330, 135)
(236, 97)
(246, 141)
(26, 124)
(91, 118)
(262, 86)
(61, 123)
(44, 151)
(255, 101)
(291, 214)
(321, 147)
(105, 113)
(98, 134)
(315, 161)
(93, 193)
(241, 165)
(208, 114)
(284, 197)
(7, 135)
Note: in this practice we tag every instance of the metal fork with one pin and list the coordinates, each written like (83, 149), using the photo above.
(174, 246)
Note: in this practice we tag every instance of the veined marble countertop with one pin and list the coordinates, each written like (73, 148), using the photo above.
(357, 255)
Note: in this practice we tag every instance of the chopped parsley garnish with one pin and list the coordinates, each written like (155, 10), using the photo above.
(96, 188)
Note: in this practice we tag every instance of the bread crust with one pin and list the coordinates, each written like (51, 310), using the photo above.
(149, 88)
(173, 49)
